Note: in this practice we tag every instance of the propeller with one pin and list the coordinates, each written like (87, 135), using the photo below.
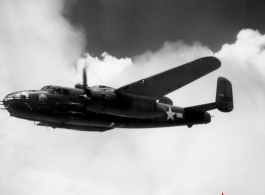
(84, 80)
(87, 93)
(1, 103)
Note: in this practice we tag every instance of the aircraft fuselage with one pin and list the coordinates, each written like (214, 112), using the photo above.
(65, 110)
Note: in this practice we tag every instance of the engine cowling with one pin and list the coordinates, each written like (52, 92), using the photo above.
(165, 100)
(100, 99)
(80, 86)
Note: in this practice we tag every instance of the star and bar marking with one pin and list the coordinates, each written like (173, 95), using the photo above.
(170, 114)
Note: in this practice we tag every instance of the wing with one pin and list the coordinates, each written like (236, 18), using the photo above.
(163, 83)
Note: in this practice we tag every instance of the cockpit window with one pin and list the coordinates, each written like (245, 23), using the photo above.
(24, 95)
(49, 89)
(56, 90)
(46, 87)
(102, 86)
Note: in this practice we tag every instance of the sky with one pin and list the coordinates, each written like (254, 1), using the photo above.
(49, 42)
(130, 27)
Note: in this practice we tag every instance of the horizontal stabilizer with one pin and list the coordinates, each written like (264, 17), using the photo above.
(224, 98)
(202, 108)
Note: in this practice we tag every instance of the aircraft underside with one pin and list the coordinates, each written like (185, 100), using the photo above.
(103, 122)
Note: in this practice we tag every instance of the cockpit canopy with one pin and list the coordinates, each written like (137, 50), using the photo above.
(56, 90)
(81, 86)
(103, 86)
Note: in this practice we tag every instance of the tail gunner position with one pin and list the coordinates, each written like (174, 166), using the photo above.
(141, 104)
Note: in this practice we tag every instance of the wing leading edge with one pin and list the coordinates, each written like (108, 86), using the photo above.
(159, 85)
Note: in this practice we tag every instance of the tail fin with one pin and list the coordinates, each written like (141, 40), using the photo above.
(224, 95)
(224, 98)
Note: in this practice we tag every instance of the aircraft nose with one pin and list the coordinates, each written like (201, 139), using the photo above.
(7, 101)
(16, 100)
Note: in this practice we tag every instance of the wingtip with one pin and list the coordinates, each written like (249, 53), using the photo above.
(212, 60)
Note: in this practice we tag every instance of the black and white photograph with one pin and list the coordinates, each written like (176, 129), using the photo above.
(126, 97)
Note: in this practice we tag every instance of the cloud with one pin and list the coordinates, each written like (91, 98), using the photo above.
(243, 63)
(247, 53)
(116, 72)
(36, 40)
(38, 46)
(103, 71)
(224, 156)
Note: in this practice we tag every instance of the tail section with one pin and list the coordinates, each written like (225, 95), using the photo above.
(224, 98)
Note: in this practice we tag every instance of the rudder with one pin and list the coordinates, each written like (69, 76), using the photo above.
(224, 95)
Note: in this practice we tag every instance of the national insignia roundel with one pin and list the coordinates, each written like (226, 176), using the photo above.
(42, 99)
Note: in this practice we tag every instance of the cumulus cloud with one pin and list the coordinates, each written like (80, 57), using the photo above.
(38, 46)
(36, 40)
(246, 54)
(244, 62)
(217, 158)
(103, 71)
(117, 72)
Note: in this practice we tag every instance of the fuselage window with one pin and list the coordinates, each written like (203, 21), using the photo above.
(57, 91)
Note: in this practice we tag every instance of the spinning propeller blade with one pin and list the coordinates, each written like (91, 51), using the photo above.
(84, 80)
(87, 93)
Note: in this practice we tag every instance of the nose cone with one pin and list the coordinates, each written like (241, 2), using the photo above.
(7, 102)
(17, 101)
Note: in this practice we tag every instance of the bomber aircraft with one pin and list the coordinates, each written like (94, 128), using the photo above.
(141, 104)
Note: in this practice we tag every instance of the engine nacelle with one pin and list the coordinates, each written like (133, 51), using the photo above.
(100, 98)
(80, 86)
(165, 100)
(106, 101)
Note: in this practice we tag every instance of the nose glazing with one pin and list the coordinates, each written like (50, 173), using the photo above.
(8, 101)
(11, 98)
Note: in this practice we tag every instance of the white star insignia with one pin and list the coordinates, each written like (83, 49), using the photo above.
(170, 114)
